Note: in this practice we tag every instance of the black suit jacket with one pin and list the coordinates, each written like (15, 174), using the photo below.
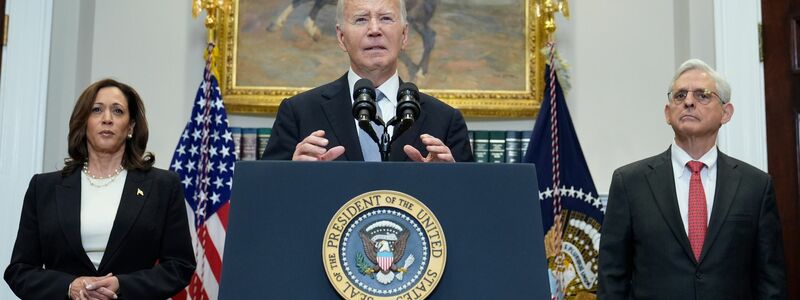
(329, 108)
(645, 252)
(149, 249)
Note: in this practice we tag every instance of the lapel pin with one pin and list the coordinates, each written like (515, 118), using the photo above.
(139, 192)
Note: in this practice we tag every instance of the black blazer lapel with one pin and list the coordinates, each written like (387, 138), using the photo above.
(724, 193)
(134, 195)
(68, 199)
(338, 110)
(662, 184)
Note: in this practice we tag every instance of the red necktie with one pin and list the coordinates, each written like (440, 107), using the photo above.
(697, 209)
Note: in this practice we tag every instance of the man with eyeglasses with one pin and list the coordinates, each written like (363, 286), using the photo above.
(692, 222)
(318, 125)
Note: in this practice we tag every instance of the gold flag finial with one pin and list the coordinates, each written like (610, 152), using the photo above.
(547, 9)
(197, 7)
(215, 10)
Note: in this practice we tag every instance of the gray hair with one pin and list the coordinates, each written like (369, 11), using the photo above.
(340, 12)
(723, 88)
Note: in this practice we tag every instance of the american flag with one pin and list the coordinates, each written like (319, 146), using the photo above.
(204, 160)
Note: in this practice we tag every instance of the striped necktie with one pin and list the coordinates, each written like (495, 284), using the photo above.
(369, 149)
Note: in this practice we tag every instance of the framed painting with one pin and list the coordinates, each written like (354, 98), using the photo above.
(480, 56)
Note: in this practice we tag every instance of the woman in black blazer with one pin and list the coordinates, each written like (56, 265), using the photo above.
(108, 225)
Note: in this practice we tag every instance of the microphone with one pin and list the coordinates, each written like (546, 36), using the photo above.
(408, 108)
(364, 108)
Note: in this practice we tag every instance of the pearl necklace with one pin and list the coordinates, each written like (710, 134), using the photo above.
(93, 178)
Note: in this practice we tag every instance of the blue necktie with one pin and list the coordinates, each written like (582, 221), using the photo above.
(368, 147)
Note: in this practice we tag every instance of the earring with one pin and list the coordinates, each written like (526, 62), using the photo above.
(130, 135)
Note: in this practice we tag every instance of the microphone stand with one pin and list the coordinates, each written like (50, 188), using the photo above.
(385, 142)
(385, 145)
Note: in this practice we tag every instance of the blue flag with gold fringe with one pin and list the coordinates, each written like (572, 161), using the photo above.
(572, 211)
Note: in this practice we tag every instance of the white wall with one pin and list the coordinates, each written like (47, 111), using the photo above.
(622, 56)
(155, 46)
(745, 136)
(621, 63)
(72, 51)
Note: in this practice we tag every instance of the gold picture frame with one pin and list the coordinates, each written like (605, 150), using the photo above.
(260, 97)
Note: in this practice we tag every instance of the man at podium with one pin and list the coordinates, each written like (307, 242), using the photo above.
(318, 125)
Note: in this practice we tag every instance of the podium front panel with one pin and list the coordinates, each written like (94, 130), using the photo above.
(280, 210)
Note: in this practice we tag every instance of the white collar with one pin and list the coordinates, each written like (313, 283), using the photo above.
(680, 157)
(388, 88)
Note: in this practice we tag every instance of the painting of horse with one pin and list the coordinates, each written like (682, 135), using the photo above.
(453, 44)
(419, 15)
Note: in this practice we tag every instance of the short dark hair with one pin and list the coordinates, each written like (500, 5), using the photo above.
(135, 156)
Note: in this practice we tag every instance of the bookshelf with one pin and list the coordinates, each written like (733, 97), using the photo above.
(489, 146)
(506, 126)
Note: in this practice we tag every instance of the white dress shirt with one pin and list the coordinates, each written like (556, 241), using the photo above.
(389, 90)
(708, 175)
(387, 105)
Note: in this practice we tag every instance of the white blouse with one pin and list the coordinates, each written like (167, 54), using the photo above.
(99, 204)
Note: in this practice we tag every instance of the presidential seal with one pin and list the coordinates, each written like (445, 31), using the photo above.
(384, 245)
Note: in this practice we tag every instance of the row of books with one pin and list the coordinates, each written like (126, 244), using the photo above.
(499, 146)
(488, 146)
(250, 142)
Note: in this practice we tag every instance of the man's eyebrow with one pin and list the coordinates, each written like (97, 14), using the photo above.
(360, 13)
(694, 89)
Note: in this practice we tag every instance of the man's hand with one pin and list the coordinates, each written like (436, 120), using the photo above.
(437, 151)
(312, 148)
(91, 288)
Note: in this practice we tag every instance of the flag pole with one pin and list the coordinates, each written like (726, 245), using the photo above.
(546, 11)
(215, 10)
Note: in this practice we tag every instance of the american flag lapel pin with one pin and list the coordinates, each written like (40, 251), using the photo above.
(139, 192)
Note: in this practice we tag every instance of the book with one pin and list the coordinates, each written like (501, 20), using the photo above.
(526, 137)
(236, 134)
(481, 146)
(497, 146)
(249, 143)
(263, 138)
(471, 135)
(513, 146)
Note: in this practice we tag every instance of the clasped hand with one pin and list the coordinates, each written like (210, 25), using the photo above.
(94, 288)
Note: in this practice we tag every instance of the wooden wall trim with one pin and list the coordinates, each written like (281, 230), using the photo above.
(782, 88)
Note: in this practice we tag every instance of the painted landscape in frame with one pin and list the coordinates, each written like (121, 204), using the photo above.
(481, 55)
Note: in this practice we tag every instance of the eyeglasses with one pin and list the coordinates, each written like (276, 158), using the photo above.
(703, 96)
